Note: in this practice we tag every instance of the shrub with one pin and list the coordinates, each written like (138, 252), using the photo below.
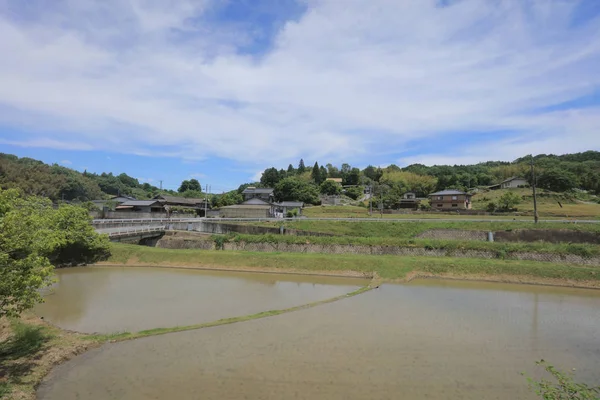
(564, 387)
(491, 206)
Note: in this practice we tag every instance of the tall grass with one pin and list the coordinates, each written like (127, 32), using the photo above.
(584, 250)
(410, 229)
(388, 267)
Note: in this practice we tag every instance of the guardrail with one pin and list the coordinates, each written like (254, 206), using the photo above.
(133, 232)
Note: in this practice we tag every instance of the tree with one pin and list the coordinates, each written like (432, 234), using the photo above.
(352, 177)
(557, 180)
(333, 172)
(192, 184)
(330, 188)
(227, 199)
(291, 170)
(316, 174)
(294, 189)
(34, 237)
(270, 177)
(323, 171)
(373, 173)
(508, 201)
(301, 167)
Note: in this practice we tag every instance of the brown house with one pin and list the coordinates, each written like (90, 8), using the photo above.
(450, 200)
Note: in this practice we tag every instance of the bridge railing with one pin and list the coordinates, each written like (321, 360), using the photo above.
(135, 231)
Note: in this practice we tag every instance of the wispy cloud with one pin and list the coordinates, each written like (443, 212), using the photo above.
(342, 81)
(66, 162)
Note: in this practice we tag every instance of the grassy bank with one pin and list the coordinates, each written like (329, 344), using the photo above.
(387, 267)
(548, 208)
(501, 250)
(29, 348)
(410, 229)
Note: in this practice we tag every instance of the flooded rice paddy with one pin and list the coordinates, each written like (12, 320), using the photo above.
(117, 299)
(425, 340)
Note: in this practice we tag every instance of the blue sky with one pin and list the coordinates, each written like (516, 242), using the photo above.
(219, 90)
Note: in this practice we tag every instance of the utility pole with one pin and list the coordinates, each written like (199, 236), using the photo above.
(381, 201)
(161, 185)
(206, 201)
(370, 199)
(533, 182)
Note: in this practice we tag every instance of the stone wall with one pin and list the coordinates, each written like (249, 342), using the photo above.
(547, 235)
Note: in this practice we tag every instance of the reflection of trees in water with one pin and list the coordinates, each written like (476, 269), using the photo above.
(67, 300)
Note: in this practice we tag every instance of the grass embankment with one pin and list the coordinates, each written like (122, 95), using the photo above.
(29, 348)
(501, 250)
(390, 268)
(410, 229)
(548, 208)
(547, 203)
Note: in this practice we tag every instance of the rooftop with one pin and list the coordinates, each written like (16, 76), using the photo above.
(512, 179)
(255, 202)
(179, 200)
(257, 190)
(140, 203)
(448, 192)
(250, 206)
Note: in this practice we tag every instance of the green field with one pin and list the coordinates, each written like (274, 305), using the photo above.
(500, 249)
(547, 202)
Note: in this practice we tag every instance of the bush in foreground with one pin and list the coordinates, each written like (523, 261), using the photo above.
(563, 387)
(35, 237)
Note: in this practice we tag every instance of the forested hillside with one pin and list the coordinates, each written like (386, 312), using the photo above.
(306, 183)
(60, 183)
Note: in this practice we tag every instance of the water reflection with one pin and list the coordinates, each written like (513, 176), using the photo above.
(110, 299)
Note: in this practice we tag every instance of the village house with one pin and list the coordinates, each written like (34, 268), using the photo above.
(190, 205)
(142, 206)
(252, 208)
(511, 183)
(410, 200)
(265, 194)
(450, 200)
(257, 208)
(282, 209)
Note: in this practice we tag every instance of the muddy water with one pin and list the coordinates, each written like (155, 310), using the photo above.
(430, 339)
(114, 299)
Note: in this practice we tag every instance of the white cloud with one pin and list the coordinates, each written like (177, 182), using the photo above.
(66, 162)
(345, 81)
(256, 177)
(198, 175)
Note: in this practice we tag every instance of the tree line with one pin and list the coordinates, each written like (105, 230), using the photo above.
(558, 173)
(60, 183)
